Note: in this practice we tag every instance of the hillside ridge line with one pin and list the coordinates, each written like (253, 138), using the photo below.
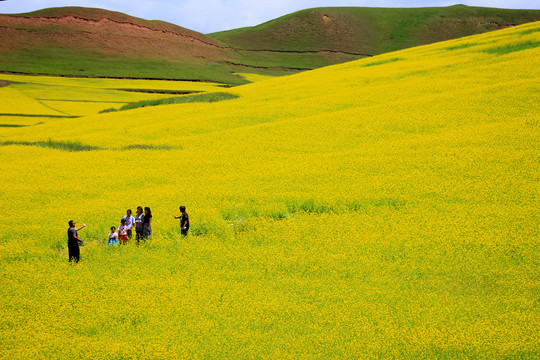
(105, 19)
(190, 38)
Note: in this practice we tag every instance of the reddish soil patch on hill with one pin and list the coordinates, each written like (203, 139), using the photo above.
(103, 35)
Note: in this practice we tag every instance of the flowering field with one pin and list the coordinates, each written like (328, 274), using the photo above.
(56, 96)
(382, 208)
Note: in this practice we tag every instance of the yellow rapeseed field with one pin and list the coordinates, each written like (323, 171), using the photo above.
(386, 208)
(59, 96)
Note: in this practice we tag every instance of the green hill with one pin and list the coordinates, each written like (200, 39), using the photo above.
(371, 31)
(78, 41)
(88, 42)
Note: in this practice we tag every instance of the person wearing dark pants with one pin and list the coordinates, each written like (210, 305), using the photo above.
(139, 220)
(147, 223)
(130, 222)
(73, 242)
(184, 221)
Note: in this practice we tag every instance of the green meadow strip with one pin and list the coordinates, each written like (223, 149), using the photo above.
(381, 62)
(50, 144)
(529, 31)
(459, 47)
(202, 98)
(40, 116)
(507, 49)
(76, 146)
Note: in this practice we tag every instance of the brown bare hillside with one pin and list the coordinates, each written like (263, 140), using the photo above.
(101, 30)
(119, 18)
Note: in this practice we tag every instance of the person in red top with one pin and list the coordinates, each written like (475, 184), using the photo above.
(184, 221)
(122, 232)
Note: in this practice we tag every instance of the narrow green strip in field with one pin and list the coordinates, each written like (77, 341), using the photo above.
(201, 98)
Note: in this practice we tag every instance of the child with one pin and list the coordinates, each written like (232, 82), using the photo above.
(113, 237)
(122, 232)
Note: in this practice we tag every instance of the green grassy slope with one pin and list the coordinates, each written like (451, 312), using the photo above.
(372, 31)
(78, 41)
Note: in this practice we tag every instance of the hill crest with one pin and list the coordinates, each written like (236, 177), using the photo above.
(77, 41)
(101, 16)
(368, 30)
(91, 42)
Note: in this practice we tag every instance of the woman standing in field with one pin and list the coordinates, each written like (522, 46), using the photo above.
(139, 220)
(147, 223)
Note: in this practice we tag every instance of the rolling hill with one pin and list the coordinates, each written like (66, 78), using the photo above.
(77, 41)
(371, 31)
(93, 42)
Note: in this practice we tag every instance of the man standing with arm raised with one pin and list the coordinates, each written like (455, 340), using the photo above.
(73, 241)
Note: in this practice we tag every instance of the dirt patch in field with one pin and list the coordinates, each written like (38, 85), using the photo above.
(5, 83)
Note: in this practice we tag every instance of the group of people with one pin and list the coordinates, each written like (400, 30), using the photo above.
(142, 221)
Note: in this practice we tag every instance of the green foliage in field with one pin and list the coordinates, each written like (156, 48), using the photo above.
(200, 98)
(506, 49)
(59, 145)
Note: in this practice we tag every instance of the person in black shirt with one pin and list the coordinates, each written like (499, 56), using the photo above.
(184, 221)
(139, 220)
(73, 241)
(147, 223)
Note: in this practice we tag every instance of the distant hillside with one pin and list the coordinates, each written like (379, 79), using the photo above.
(78, 41)
(371, 31)
(94, 42)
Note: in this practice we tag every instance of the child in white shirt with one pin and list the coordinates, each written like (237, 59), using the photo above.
(113, 237)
